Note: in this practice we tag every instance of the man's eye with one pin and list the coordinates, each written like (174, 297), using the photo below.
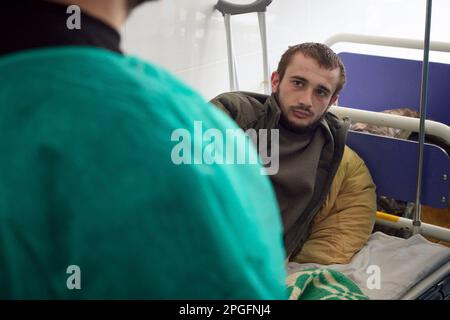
(298, 83)
(322, 93)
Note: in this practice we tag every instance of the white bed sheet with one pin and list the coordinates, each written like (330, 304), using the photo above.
(400, 264)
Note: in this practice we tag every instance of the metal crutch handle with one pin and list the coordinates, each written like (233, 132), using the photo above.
(231, 62)
(262, 29)
(232, 9)
(228, 9)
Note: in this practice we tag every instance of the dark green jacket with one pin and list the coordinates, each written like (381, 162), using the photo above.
(258, 111)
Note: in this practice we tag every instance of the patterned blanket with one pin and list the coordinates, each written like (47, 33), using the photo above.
(322, 284)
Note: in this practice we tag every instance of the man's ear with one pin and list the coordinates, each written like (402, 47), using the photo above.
(275, 81)
(333, 100)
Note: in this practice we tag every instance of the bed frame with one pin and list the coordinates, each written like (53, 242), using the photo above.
(377, 83)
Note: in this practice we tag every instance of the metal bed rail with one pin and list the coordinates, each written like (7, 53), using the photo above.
(433, 128)
(386, 42)
(426, 45)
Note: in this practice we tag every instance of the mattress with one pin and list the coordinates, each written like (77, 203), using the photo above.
(388, 267)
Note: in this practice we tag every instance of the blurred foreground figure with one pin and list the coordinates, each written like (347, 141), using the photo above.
(92, 205)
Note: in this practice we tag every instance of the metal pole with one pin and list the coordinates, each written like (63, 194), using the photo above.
(231, 63)
(262, 29)
(423, 114)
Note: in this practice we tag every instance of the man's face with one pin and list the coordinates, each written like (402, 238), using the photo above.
(306, 91)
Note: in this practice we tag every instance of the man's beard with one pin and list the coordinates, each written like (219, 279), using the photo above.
(285, 122)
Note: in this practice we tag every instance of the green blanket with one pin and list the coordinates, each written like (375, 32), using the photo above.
(322, 284)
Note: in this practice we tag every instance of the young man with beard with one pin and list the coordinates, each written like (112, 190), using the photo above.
(324, 190)
(91, 205)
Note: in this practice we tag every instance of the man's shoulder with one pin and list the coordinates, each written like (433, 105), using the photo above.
(108, 81)
(245, 108)
(241, 99)
(84, 67)
(350, 156)
(336, 122)
(91, 90)
(338, 128)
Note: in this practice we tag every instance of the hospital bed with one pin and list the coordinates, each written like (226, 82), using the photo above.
(376, 83)
(412, 268)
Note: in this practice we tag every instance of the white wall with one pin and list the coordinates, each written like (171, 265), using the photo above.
(188, 36)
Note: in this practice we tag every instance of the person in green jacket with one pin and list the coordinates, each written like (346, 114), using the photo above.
(92, 203)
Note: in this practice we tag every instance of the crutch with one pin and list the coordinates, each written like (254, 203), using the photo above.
(229, 9)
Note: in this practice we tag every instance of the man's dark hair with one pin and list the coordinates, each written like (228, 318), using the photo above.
(325, 57)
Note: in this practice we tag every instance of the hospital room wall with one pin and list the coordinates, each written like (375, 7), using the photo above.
(188, 36)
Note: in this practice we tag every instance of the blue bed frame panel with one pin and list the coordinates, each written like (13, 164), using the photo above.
(393, 165)
(378, 83)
